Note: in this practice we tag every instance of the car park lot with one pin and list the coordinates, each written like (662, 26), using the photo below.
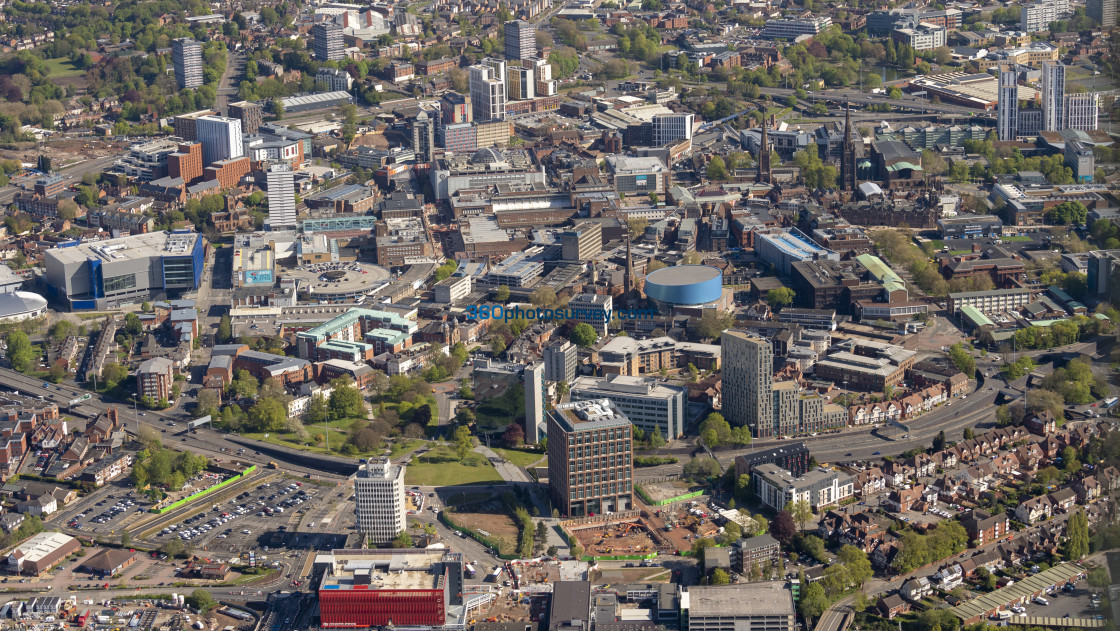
(1075, 604)
(239, 521)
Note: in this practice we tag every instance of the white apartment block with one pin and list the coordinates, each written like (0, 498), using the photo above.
(924, 36)
(379, 500)
(1082, 111)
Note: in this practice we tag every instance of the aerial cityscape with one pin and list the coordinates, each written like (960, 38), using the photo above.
(581, 315)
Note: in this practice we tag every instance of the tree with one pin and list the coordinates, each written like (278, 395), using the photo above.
(318, 411)
(464, 443)
(277, 109)
(20, 353)
(780, 297)
(1067, 213)
(346, 402)
(801, 512)
(268, 415)
(782, 527)
(583, 334)
(111, 374)
(699, 546)
(701, 468)
(720, 577)
(207, 403)
(857, 564)
(201, 600)
(717, 169)
(933, 163)
(1098, 577)
(402, 540)
(813, 601)
(1077, 537)
(713, 323)
(132, 325)
(225, 330)
(244, 384)
(501, 294)
(962, 359)
(514, 436)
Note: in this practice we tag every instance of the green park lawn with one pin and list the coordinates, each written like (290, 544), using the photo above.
(519, 457)
(402, 446)
(60, 67)
(449, 474)
(1016, 239)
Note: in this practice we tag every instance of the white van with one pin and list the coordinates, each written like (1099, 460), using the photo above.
(1041, 601)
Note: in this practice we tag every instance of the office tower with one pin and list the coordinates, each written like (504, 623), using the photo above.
(424, 137)
(1081, 111)
(582, 242)
(1053, 95)
(281, 197)
(520, 85)
(220, 137)
(650, 405)
(250, 114)
(589, 458)
(1103, 11)
(327, 44)
(379, 500)
(748, 371)
(488, 93)
(186, 55)
(763, 155)
(848, 154)
(521, 39)
(1007, 105)
(560, 361)
(671, 128)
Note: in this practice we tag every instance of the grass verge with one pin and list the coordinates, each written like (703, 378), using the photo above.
(519, 457)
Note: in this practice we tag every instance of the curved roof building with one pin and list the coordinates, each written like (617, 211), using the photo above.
(685, 285)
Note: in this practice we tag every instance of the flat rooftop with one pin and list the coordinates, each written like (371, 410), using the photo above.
(759, 599)
(125, 248)
(410, 570)
(588, 415)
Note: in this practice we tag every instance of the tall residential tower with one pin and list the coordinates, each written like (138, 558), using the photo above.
(282, 213)
(186, 55)
(1007, 106)
(521, 39)
(1053, 95)
(748, 373)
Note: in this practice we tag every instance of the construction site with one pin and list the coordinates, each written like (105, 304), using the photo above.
(624, 538)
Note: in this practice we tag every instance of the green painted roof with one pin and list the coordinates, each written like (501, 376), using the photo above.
(898, 166)
(880, 270)
(977, 318)
(352, 316)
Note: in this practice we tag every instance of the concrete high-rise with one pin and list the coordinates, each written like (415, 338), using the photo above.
(521, 39)
(561, 358)
(589, 458)
(186, 55)
(1007, 105)
(1103, 11)
(1082, 111)
(379, 500)
(488, 93)
(281, 198)
(1053, 95)
(327, 44)
(424, 137)
(748, 374)
(220, 137)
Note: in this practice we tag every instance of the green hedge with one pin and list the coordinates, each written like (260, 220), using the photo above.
(678, 498)
(203, 493)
